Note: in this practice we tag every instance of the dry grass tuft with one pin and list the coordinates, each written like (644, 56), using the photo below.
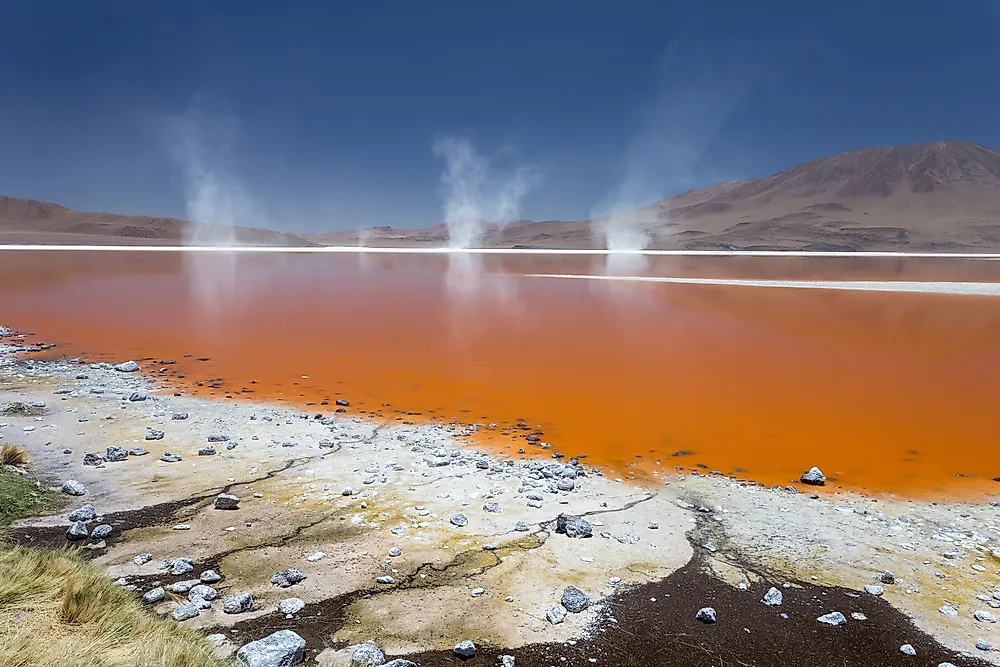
(12, 455)
(56, 609)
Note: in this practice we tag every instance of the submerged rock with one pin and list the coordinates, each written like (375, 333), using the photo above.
(813, 476)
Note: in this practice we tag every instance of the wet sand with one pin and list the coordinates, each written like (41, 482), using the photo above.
(890, 393)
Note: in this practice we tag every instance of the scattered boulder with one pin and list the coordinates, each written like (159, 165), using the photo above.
(395, 552)
(948, 611)
(185, 611)
(521, 527)
(983, 645)
(984, 616)
(78, 531)
(183, 587)
(154, 596)
(874, 589)
(385, 579)
(367, 655)
(202, 591)
(575, 600)
(127, 367)
(887, 577)
(210, 577)
(465, 649)
(493, 508)
(573, 526)
(154, 434)
(907, 649)
(459, 520)
(556, 614)
(137, 397)
(833, 618)
(507, 661)
(288, 577)
(238, 604)
(115, 453)
(341, 402)
(226, 501)
(180, 566)
(170, 458)
(318, 556)
(71, 487)
(400, 662)
(179, 416)
(284, 648)
(705, 615)
(813, 476)
(137, 451)
(773, 597)
(142, 559)
(83, 513)
(92, 459)
(219, 437)
(291, 605)
(101, 531)
(207, 451)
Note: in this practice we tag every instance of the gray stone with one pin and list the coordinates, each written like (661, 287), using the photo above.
(180, 566)
(493, 508)
(83, 513)
(983, 645)
(281, 649)
(565, 484)
(238, 604)
(227, 501)
(833, 618)
(154, 434)
(573, 526)
(137, 451)
(183, 587)
(127, 367)
(142, 559)
(948, 611)
(185, 611)
(507, 661)
(170, 458)
(137, 397)
(984, 616)
(288, 577)
(367, 655)
(556, 614)
(521, 527)
(773, 597)
(459, 520)
(348, 491)
(400, 662)
(395, 552)
(887, 577)
(210, 577)
(385, 579)
(179, 416)
(91, 459)
(101, 531)
(154, 596)
(478, 592)
(874, 589)
(78, 531)
(813, 476)
(71, 487)
(291, 605)
(575, 600)
(208, 450)
(465, 649)
(219, 437)
(202, 591)
(705, 615)
(113, 454)
(907, 649)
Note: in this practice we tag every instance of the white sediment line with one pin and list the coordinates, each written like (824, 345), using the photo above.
(974, 289)
(495, 251)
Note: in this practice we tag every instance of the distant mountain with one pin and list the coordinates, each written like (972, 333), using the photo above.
(942, 196)
(938, 196)
(30, 221)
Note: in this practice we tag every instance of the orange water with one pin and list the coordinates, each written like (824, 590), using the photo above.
(885, 392)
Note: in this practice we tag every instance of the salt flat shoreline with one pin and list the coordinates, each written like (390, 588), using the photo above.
(292, 472)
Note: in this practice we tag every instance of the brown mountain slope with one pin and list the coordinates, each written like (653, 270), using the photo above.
(30, 221)
(939, 196)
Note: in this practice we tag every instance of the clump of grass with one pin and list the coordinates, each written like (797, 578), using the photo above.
(12, 455)
(21, 497)
(56, 609)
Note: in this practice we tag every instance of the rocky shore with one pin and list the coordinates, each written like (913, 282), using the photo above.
(341, 539)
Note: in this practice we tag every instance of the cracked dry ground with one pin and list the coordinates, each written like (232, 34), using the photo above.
(646, 583)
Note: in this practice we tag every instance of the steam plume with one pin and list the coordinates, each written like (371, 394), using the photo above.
(476, 192)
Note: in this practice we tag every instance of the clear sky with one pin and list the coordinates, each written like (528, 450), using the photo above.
(330, 115)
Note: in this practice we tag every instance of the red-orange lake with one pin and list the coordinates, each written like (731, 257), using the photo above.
(886, 392)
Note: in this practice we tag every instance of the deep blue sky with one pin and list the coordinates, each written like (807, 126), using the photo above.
(326, 112)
